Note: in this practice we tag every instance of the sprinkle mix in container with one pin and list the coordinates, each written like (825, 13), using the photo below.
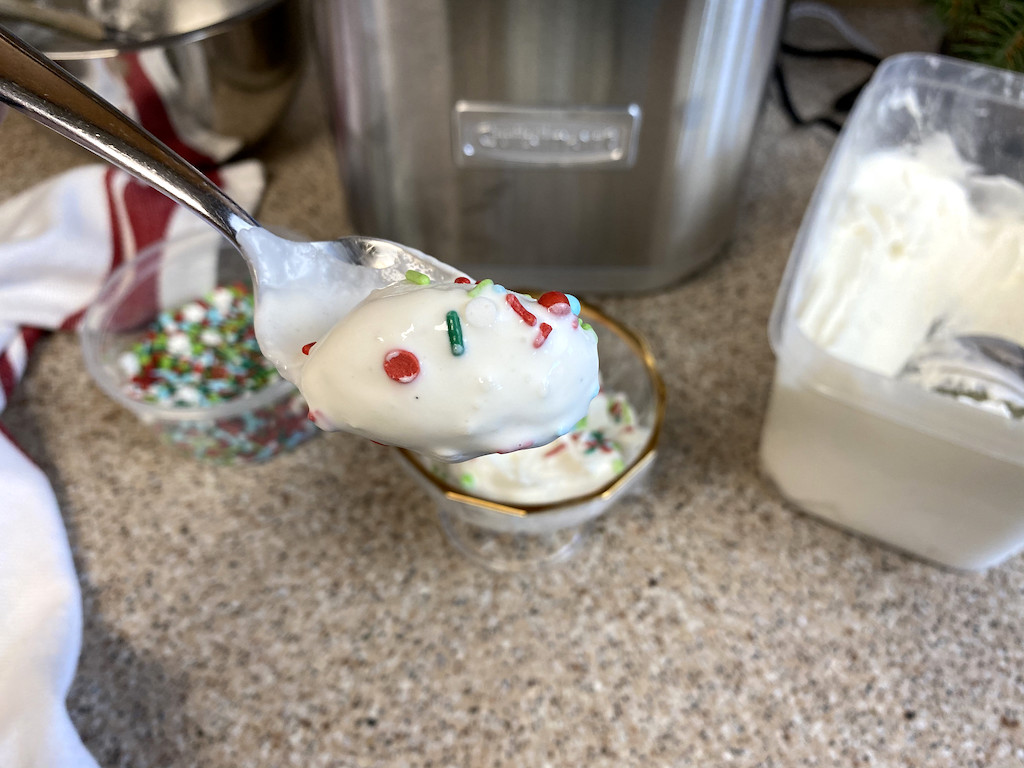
(204, 355)
(204, 352)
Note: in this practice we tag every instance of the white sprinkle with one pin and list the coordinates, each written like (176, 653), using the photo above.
(187, 396)
(129, 364)
(193, 312)
(178, 344)
(211, 338)
(481, 312)
(222, 300)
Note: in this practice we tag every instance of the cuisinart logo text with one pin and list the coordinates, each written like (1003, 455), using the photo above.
(501, 135)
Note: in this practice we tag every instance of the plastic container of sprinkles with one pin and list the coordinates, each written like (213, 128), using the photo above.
(170, 338)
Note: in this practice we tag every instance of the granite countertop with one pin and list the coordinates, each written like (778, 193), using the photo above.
(310, 612)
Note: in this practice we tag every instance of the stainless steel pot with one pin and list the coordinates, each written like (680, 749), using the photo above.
(226, 69)
(590, 144)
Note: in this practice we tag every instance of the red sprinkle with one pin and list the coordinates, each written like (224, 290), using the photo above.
(463, 280)
(556, 450)
(401, 365)
(307, 347)
(575, 322)
(513, 301)
(145, 378)
(542, 335)
(556, 302)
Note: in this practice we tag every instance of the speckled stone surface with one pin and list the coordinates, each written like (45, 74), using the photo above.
(309, 612)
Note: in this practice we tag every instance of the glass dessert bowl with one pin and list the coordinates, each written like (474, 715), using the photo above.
(170, 338)
(536, 507)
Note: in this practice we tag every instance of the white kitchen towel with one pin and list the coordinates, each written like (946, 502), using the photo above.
(58, 242)
(40, 622)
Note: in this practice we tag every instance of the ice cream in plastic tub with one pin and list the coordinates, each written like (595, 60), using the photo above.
(531, 508)
(896, 408)
(170, 338)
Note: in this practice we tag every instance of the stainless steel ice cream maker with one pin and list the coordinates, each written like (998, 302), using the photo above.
(589, 144)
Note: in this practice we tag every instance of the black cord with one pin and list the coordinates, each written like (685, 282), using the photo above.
(850, 54)
(842, 103)
(794, 116)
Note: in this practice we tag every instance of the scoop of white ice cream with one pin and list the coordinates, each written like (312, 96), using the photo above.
(454, 370)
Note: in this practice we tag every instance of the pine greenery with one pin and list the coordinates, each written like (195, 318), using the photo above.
(986, 31)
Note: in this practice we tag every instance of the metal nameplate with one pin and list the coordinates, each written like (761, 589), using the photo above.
(486, 134)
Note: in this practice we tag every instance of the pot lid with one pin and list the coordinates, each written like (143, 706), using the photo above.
(83, 29)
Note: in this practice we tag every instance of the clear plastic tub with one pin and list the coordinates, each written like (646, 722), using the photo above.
(251, 427)
(876, 453)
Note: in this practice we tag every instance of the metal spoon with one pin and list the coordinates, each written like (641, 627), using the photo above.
(980, 370)
(317, 283)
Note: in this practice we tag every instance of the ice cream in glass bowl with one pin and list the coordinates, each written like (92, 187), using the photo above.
(534, 507)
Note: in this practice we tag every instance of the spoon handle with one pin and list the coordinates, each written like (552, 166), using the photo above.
(35, 86)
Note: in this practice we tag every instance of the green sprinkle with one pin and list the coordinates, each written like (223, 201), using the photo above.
(627, 414)
(479, 287)
(617, 465)
(585, 326)
(466, 480)
(581, 424)
(455, 333)
(416, 277)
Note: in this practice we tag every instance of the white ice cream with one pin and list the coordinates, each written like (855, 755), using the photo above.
(594, 453)
(918, 240)
(391, 371)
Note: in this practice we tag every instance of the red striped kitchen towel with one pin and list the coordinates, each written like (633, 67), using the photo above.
(58, 243)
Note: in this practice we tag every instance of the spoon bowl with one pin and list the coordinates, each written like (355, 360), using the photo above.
(981, 370)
